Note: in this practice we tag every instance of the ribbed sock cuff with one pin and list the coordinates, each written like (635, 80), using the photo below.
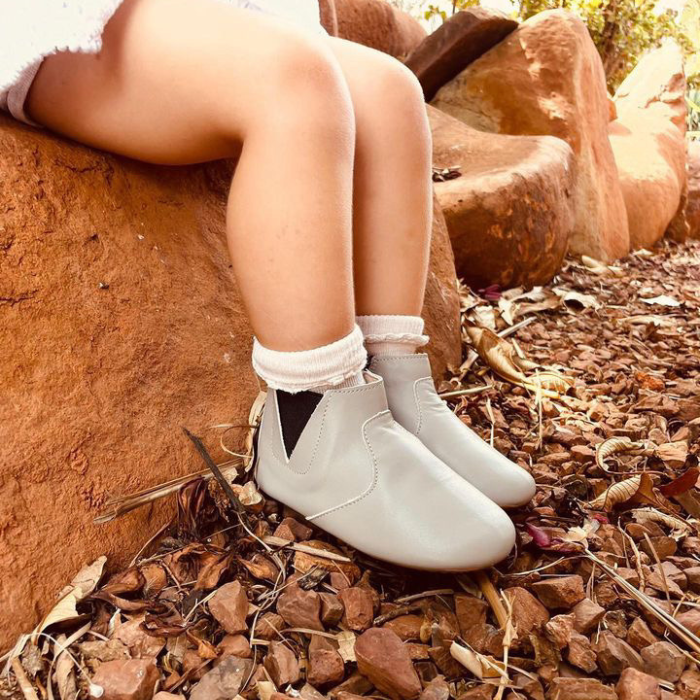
(305, 370)
(387, 334)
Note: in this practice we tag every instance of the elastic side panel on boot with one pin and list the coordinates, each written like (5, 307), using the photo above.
(295, 411)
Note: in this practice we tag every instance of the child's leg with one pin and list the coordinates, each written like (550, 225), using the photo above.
(182, 81)
(392, 181)
(393, 198)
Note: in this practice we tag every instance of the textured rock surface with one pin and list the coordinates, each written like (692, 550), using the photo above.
(131, 679)
(464, 37)
(509, 91)
(693, 208)
(384, 659)
(658, 84)
(120, 323)
(650, 153)
(379, 25)
(509, 214)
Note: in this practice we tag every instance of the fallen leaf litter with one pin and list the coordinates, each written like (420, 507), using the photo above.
(592, 384)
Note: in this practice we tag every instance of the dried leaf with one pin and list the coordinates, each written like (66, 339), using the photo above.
(497, 353)
(662, 300)
(638, 487)
(346, 646)
(479, 665)
(79, 588)
(261, 567)
(613, 446)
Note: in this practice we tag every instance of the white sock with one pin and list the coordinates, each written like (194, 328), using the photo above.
(392, 334)
(333, 366)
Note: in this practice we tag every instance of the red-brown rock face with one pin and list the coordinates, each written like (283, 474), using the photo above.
(693, 209)
(379, 25)
(650, 153)
(509, 214)
(547, 78)
(657, 84)
(120, 323)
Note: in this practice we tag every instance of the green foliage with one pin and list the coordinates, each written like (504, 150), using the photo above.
(694, 113)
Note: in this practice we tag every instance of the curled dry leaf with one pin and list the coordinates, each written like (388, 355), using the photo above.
(646, 515)
(594, 265)
(479, 665)
(616, 445)
(498, 354)
(551, 379)
(638, 487)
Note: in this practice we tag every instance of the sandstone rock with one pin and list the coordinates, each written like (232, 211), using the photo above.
(328, 16)
(470, 612)
(579, 689)
(639, 635)
(587, 615)
(224, 681)
(407, 627)
(379, 25)
(235, 645)
(441, 306)
(268, 626)
(635, 685)
(664, 660)
(134, 283)
(528, 613)
(437, 689)
(300, 608)
(691, 620)
(693, 206)
(657, 84)
(509, 214)
(383, 658)
(308, 692)
(506, 91)
(581, 654)
(615, 655)
(326, 667)
(355, 685)
(692, 573)
(689, 685)
(458, 41)
(650, 153)
(141, 644)
(331, 609)
(292, 529)
(359, 607)
(164, 695)
(559, 630)
(229, 606)
(560, 592)
(131, 679)
(281, 664)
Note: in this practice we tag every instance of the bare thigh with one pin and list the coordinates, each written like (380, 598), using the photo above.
(177, 81)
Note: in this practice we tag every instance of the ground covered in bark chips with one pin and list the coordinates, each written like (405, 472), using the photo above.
(591, 383)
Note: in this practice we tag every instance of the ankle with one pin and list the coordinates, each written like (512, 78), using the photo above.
(392, 334)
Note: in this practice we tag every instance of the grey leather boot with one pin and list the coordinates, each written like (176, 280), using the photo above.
(415, 404)
(356, 473)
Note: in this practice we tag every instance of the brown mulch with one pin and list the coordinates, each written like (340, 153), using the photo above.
(592, 383)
